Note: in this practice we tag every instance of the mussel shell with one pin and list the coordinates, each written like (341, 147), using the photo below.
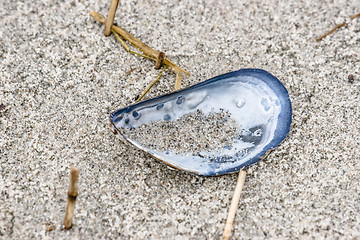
(256, 99)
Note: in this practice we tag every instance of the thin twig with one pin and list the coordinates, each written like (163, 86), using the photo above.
(355, 16)
(234, 205)
(337, 27)
(110, 18)
(72, 194)
(152, 84)
(139, 44)
(131, 70)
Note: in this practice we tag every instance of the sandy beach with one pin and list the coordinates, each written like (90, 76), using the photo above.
(61, 78)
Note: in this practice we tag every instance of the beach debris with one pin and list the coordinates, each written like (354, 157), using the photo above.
(337, 27)
(110, 17)
(72, 194)
(159, 60)
(2, 107)
(216, 127)
(151, 85)
(50, 227)
(147, 52)
(247, 112)
(351, 78)
(234, 205)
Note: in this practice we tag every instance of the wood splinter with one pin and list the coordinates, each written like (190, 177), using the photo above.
(72, 194)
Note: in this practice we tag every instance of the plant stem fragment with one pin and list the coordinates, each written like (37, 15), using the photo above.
(139, 44)
(152, 84)
(159, 60)
(110, 18)
(234, 205)
(117, 36)
(178, 81)
(337, 26)
(72, 194)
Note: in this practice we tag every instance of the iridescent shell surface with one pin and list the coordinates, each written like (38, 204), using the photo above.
(256, 100)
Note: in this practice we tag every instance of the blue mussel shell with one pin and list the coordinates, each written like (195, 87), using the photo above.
(256, 100)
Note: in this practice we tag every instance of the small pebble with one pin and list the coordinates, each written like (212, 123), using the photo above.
(351, 78)
(2, 107)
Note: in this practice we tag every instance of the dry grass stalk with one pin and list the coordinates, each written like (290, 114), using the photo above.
(178, 81)
(117, 36)
(110, 18)
(337, 26)
(150, 86)
(234, 205)
(148, 51)
(72, 194)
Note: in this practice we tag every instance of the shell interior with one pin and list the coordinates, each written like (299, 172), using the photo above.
(219, 126)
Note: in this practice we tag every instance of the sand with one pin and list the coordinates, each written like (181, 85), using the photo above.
(191, 133)
(60, 79)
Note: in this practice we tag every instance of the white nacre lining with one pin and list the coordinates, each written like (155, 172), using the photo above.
(251, 102)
